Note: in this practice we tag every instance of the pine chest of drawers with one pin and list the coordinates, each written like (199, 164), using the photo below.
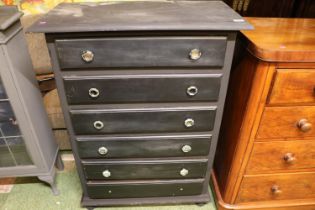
(266, 161)
(142, 85)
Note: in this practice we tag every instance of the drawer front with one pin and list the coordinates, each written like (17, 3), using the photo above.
(293, 86)
(277, 187)
(131, 170)
(142, 52)
(287, 122)
(144, 189)
(166, 88)
(142, 121)
(144, 146)
(280, 156)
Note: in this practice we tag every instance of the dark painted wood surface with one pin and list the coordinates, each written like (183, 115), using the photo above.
(143, 121)
(141, 52)
(125, 189)
(145, 169)
(143, 88)
(140, 16)
(144, 146)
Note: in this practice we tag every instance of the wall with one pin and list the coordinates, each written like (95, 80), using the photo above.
(38, 6)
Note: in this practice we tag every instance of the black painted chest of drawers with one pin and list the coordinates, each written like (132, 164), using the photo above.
(142, 86)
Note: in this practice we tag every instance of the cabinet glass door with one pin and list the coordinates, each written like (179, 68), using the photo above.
(12, 148)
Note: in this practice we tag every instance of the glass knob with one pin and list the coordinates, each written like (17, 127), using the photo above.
(106, 173)
(192, 91)
(184, 172)
(186, 148)
(94, 92)
(102, 150)
(87, 56)
(195, 54)
(98, 125)
(189, 123)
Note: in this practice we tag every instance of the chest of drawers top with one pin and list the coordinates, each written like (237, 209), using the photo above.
(141, 16)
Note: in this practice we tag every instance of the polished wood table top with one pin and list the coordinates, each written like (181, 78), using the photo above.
(282, 39)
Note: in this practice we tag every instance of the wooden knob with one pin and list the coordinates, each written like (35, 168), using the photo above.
(304, 125)
(289, 158)
(275, 189)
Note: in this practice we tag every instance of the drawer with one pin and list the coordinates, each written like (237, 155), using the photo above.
(142, 52)
(145, 169)
(287, 123)
(142, 88)
(149, 120)
(281, 156)
(139, 189)
(293, 86)
(277, 187)
(144, 146)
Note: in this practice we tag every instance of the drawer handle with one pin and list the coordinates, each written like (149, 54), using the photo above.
(87, 56)
(184, 172)
(94, 92)
(195, 54)
(275, 189)
(304, 125)
(192, 90)
(102, 150)
(98, 125)
(106, 173)
(186, 148)
(289, 158)
(189, 123)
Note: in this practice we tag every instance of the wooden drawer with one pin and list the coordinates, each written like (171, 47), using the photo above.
(293, 86)
(142, 52)
(144, 146)
(282, 123)
(277, 187)
(141, 189)
(142, 88)
(145, 169)
(268, 157)
(147, 120)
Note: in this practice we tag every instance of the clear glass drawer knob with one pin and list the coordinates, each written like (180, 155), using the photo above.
(189, 123)
(87, 56)
(106, 173)
(192, 90)
(195, 54)
(94, 92)
(184, 172)
(98, 125)
(186, 148)
(102, 150)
